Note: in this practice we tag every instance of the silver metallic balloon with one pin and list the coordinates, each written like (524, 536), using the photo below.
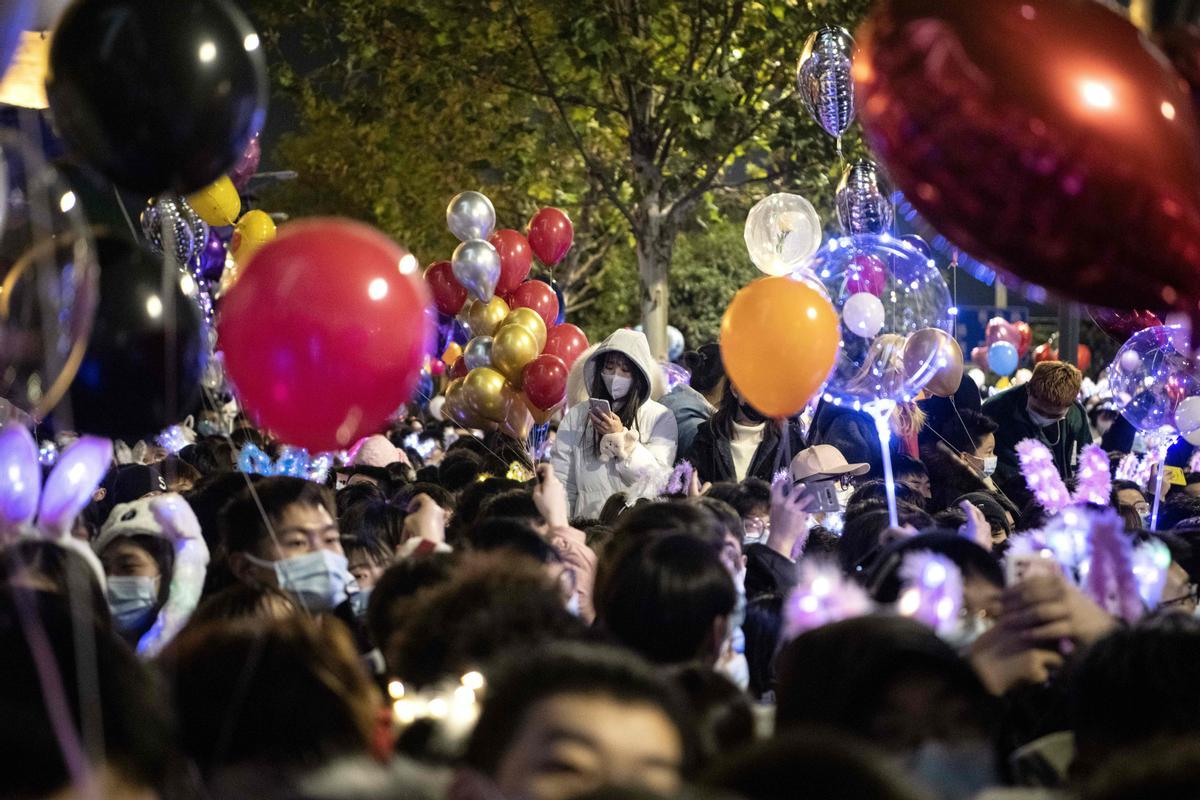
(167, 210)
(478, 352)
(199, 227)
(476, 265)
(823, 77)
(864, 200)
(470, 215)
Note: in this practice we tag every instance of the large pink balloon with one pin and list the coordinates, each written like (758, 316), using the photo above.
(325, 332)
(1046, 137)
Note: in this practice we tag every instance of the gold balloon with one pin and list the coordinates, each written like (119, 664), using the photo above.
(456, 404)
(485, 318)
(531, 321)
(518, 422)
(254, 230)
(483, 392)
(932, 349)
(217, 204)
(513, 348)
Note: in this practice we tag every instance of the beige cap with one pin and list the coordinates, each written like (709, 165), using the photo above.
(824, 460)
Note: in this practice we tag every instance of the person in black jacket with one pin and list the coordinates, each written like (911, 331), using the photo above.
(740, 442)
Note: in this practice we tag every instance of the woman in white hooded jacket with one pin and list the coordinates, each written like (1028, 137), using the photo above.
(630, 448)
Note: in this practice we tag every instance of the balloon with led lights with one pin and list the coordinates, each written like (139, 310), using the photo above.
(1149, 378)
(324, 337)
(782, 230)
(1187, 420)
(871, 364)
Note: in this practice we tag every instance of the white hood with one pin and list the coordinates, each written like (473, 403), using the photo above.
(632, 345)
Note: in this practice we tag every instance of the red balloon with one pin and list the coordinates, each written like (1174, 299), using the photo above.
(538, 296)
(1026, 334)
(551, 235)
(1120, 325)
(1001, 122)
(437, 368)
(1001, 330)
(979, 357)
(515, 259)
(545, 381)
(324, 338)
(448, 294)
(868, 273)
(459, 370)
(1043, 352)
(567, 342)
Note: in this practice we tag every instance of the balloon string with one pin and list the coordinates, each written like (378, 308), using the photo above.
(125, 213)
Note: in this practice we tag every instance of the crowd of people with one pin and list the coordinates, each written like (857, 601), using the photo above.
(445, 618)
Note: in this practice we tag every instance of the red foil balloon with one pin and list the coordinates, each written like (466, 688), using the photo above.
(567, 342)
(538, 296)
(551, 235)
(1026, 334)
(515, 259)
(979, 357)
(325, 336)
(868, 274)
(1043, 136)
(448, 294)
(459, 370)
(1001, 330)
(1043, 352)
(545, 381)
(1120, 325)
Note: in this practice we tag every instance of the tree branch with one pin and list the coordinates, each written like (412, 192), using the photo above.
(593, 168)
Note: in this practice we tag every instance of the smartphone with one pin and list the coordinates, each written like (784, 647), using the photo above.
(598, 406)
(823, 494)
(1030, 565)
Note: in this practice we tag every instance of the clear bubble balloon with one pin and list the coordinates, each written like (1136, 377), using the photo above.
(1150, 378)
(782, 231)
(50, 283)
(1187, 420)
(870, 363)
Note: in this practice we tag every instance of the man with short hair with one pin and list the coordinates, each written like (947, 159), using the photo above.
(282, 532)
(1047, 409)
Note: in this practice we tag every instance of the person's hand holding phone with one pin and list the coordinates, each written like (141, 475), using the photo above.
(604, 420)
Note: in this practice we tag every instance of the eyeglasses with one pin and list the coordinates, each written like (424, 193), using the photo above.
(1191, 596)
(756, 526)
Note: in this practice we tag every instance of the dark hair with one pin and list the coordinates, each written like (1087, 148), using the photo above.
(639, 393)
(1148, 666)
(357, 493)
(860, 545)
(840, 674)
(279, 692)
(993, 510)
(1183, 544)
(877, 490)
(1121, 485)
(243, 600)
(1177, 508)
(705, 365)
(969, 557)
(903, 466)
(492, 601)
(511, 536)
(725, 516)
(396, 587)
(436, 493)
(38, 563)
(522, 680)
(242, 526)
(724, 718)
(376, 525)
(470, 504)
(459, 468)
(123, 699)
(513, 504)
(669, 517)
(814, 763)
(1162, 768)
(722, 420)
(660, 596)
(613, 508)
(967, 435)
(210, 496)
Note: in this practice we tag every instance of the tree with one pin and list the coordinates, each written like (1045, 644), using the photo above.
(650, 110)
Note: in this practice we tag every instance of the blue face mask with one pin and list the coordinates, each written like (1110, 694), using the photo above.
(318, 580)
(132, 601)
(359, 603)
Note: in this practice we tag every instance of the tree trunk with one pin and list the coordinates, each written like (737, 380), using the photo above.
(655, 244)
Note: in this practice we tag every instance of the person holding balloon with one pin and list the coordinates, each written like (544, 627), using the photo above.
(1045, 409)
(620, 439)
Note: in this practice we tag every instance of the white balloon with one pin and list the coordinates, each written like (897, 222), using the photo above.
(863, 314)
(1187, 419)
(782, 232)
(1023, 375)
(435, 407)
(976, 374)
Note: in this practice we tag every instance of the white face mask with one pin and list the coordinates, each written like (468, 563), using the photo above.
(618, 386)
(989, 464)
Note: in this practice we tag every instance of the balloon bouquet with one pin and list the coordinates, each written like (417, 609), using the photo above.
(1005, 344)
(511, 375)
(1156, 384)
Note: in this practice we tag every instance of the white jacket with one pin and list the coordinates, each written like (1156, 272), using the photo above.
(590, 481)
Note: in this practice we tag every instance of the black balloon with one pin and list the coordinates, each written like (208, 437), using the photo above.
(157, 94)
(133, 382)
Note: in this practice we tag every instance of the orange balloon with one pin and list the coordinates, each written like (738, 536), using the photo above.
(453, 353)
(779, 339)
